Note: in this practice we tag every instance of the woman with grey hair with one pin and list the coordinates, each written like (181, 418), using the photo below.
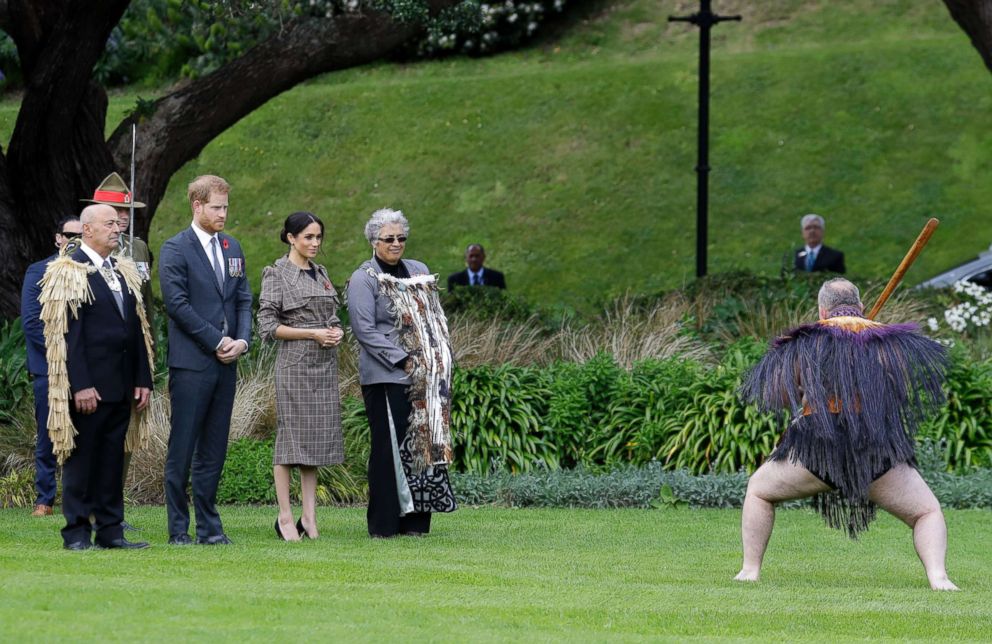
(404, 367)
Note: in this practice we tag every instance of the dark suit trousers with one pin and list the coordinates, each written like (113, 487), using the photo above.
(44, 459)
(91, 477)
(202, 402)
(384, 505)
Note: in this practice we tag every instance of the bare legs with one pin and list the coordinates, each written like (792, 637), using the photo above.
(283, 475)
(772, 483)
(308, 485)
(901, 491)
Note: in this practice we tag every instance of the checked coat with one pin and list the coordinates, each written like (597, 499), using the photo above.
(308, 402)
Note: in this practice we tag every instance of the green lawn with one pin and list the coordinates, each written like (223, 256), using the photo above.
(495, 574)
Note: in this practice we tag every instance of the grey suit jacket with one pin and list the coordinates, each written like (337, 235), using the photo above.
(374, 326)
(200, 312)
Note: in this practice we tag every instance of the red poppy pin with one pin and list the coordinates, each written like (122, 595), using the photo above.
(224, 243)
(327, 286)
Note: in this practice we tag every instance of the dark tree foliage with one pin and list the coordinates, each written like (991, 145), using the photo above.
(58, 151)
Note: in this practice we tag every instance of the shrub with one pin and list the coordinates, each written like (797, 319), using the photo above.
(650, 485)
(964, 426)
(15, 387)
(247, 474)
(496, 419)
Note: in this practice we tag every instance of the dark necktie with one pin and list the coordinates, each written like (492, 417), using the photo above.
(118, 296)
(810, 260)
(218, 270)
(476, 279)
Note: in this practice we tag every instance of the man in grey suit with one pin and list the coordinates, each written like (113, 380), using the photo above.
(207, 297)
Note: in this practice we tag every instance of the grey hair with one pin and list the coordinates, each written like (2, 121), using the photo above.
(838, 292)
(811, 217)
(383, 217)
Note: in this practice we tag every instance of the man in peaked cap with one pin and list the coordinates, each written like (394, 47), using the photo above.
(113, 192)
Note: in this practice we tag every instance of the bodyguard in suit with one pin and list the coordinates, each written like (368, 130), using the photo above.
(207, 297)
(814, 256)
(108, 370)
(34, 336)
(475, 274)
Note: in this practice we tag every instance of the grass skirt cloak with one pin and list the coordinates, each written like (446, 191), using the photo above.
(64, 288)
(857, 391)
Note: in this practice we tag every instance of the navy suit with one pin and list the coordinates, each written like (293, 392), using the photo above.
(105, 349)
(34, 336)
(827, 259)
(201, 387)
(490, 277)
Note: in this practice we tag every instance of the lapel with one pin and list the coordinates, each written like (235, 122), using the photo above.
(197, 249)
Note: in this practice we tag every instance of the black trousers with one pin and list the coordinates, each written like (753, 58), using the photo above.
(202, 402)
(91, 477)
(383, 515)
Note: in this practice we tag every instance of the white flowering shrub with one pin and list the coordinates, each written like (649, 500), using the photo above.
(495, 25)
(971, 311)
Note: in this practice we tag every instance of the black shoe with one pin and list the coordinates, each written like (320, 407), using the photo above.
(78, 545)
(180, 540)
(301, 530)
(123, 544)
(127, 527)
(216, 540)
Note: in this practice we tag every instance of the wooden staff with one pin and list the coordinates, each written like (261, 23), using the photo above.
(907, 261)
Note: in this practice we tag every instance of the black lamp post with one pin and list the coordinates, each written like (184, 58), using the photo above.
(704, 19)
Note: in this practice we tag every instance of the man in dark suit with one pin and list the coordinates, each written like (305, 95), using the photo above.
(113, 192)
(34, 336)
(108, 369)
(814, 256)
(207, 297)
(475, 274)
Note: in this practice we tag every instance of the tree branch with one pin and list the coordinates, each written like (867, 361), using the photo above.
(182, 123)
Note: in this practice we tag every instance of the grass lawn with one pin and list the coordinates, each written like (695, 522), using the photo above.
(496, 574)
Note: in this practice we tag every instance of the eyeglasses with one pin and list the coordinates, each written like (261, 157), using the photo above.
(389, 240)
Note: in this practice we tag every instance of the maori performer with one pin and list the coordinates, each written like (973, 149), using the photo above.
(405, 368)
(858, 390)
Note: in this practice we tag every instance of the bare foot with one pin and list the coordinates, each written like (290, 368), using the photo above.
(747, 575)
(943, 583)
(288, 529)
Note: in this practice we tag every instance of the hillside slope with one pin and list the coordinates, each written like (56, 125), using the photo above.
(573, 161)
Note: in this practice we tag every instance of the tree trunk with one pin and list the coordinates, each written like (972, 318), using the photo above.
(58, 153)
(975, 18)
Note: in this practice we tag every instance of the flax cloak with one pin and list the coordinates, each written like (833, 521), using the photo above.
(64, 288)
(850, 394)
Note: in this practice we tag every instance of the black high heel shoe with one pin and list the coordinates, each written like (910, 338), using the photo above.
(279, 531)
(301, 530)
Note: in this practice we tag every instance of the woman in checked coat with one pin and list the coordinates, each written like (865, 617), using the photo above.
(298, 307)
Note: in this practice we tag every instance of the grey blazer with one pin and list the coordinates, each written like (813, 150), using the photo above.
(374, 327)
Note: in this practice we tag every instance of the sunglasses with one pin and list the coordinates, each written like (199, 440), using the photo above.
(389, 240)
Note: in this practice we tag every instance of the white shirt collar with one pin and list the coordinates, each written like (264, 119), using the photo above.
(478, 274)
(815, 249)
(203, 236)
(94, 256)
